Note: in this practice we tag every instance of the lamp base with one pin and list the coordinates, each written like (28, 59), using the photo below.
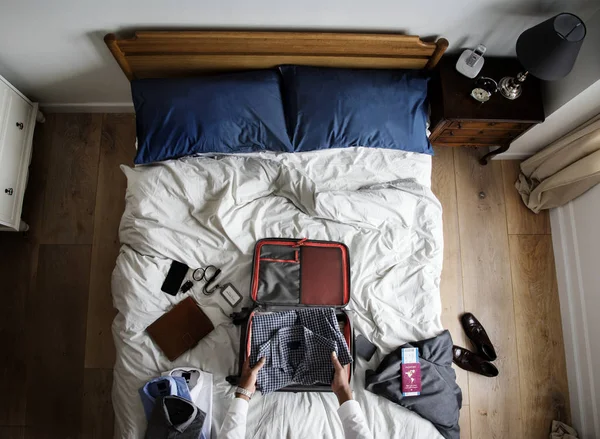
(510, 88)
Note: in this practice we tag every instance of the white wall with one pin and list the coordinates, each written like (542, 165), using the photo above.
(53, 50)
(578, 110)
(576, 238)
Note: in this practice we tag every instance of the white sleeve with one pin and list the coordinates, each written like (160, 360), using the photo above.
(353, 421)
(234, 425)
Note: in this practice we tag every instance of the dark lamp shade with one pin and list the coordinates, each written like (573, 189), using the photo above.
(549, 50)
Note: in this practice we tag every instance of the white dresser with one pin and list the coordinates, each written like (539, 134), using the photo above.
(17, 123)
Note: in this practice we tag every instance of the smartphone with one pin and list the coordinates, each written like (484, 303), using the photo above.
(174, 278)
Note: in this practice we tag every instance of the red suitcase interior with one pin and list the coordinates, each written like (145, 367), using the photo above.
(294, 273)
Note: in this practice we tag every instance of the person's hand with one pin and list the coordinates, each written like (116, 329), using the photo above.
(248, 378)
(340, 385)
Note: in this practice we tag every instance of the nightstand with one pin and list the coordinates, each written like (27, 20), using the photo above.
(459, 120)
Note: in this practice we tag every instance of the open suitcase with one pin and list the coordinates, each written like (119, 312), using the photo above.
(293, 273)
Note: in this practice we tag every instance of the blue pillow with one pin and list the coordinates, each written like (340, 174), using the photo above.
(338, 108)
(238, 112)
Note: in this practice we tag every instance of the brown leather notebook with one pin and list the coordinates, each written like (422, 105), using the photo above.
(180, 329)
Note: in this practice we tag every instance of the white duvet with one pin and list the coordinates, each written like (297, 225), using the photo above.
(211, 211)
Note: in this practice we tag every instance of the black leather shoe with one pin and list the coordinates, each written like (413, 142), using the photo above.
(478, 336)
(467, 360)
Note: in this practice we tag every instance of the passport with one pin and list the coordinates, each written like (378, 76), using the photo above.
(411, 372)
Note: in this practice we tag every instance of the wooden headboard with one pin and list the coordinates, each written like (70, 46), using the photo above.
(162, 54)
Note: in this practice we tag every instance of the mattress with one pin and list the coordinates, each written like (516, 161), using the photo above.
(212, 210)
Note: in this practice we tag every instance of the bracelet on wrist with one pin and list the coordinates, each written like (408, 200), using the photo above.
(248, 394)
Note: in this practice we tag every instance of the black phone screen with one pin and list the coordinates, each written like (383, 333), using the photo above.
(174, 278)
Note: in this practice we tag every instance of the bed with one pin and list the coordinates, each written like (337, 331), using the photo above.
(211, 209)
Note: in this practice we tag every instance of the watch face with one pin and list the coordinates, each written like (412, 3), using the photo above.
(480, 94)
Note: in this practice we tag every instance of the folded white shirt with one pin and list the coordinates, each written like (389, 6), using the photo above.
(200, 384)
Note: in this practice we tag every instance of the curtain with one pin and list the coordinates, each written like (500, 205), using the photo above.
(563, 170)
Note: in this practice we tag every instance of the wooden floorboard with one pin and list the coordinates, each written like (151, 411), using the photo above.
(494, 402)
(465, 422)
(116, 148)
(98, 417)
(543, 373)
(15, 272)
(56, 315)
(70, 193)
(443, 184)
(520, 220)
(12, 432)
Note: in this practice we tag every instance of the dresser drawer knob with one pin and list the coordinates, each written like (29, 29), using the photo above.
(8, 191)
(451, 133)
(459, 125)
(20, 125)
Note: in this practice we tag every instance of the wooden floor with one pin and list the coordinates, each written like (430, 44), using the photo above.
(57, 353)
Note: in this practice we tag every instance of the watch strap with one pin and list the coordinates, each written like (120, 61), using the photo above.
(244, 392)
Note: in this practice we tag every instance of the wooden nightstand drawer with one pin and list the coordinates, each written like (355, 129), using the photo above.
(517, 126)
(496, 134)
(474, 137)
(469, 141)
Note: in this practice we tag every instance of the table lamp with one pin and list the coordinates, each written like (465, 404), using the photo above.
(547, 51)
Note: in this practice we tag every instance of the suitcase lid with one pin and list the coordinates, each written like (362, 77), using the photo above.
(300, 272)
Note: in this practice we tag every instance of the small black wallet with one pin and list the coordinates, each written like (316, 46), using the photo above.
(364, 347)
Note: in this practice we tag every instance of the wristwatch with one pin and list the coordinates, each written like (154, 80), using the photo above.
(244, 392)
